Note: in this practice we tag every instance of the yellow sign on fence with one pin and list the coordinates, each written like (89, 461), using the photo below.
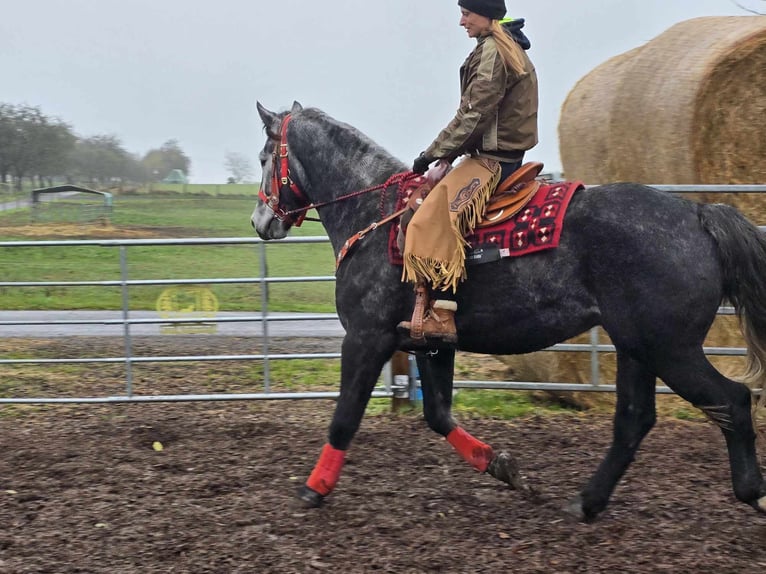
(188, 302)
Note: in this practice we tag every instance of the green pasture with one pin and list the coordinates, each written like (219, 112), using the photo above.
(145, 216)
(201, 189)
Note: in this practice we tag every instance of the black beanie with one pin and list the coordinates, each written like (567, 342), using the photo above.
(492, 9)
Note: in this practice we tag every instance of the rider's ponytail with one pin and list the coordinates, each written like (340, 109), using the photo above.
(509, 50)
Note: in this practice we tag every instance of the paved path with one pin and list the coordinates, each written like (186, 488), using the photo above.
(17, 204)
(41, 324)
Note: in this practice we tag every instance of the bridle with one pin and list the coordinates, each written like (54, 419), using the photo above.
(282, 182)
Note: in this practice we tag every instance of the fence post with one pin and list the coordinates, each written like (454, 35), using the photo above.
(400, 375)
(265, 318)
(125, 321)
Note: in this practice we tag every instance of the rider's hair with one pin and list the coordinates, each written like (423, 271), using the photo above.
(511, 53)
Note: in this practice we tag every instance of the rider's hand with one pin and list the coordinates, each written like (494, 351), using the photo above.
(421, 163)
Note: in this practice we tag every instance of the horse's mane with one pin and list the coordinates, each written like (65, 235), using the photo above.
(357, 147)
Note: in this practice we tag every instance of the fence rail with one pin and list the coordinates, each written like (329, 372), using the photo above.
(386, 389)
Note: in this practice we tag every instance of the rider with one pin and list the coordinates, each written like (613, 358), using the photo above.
(494, 125)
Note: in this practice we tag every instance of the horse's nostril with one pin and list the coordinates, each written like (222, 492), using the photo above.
(252, 223)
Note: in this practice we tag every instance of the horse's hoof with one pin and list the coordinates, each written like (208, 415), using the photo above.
(761, 504)
(309, 498)
(574, 510)
(504, 468)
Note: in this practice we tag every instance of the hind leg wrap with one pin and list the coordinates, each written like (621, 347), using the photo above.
(477, 453)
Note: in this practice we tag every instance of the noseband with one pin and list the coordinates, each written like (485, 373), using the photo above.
(281, 182)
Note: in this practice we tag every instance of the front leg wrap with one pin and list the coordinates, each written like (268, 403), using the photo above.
(477, 453)
(327, 470)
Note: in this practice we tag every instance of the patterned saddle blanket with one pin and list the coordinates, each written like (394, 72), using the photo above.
(536, 227)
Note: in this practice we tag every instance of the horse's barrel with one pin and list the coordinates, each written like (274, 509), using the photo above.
(688, 107)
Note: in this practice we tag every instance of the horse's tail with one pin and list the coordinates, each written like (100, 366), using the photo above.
(742, 250)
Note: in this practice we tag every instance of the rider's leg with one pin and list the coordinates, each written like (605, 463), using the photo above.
(507, 168)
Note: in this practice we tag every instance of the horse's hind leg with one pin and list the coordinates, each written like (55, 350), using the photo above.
(436, 376)
(360, 367)
(728, 404)
(634, 417)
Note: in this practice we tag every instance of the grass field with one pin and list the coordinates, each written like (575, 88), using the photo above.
(160, 216)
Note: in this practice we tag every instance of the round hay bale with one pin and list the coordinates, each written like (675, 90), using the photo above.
(575, 367)
(688, 107)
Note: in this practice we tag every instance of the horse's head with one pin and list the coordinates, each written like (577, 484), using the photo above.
(280, 198)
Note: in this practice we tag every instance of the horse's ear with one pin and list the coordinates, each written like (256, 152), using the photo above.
(297, 107)
(270, 121)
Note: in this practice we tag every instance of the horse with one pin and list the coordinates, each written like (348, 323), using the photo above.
(649, 267)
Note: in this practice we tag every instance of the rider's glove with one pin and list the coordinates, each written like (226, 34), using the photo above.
(421, 163)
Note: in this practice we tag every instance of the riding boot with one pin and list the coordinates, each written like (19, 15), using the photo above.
(438, 326)
(439, 322)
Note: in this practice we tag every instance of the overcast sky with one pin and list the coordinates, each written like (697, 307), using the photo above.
(152, 70)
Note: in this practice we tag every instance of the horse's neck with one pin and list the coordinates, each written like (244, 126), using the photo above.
(345, 218)
(334, 170)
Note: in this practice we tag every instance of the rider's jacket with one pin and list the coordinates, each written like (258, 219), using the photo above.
(497, 117)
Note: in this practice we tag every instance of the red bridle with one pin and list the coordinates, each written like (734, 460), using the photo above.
(281, 181)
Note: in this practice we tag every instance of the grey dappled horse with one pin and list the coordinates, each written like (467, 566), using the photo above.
(649, 267)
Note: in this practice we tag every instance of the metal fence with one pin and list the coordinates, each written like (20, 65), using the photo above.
(389, 385)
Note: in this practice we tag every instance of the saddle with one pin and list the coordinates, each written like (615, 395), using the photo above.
(510, 196)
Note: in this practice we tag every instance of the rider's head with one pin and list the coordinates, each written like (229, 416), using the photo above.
(492, 9)
(477, 15)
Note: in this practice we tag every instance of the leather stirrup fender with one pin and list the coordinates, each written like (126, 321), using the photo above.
(421, 304)
(504, 206)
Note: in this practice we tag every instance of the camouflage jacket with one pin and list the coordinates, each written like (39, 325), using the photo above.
(497, 117)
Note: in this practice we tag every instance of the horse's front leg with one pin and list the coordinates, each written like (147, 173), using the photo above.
(437, 372)
(361, 363)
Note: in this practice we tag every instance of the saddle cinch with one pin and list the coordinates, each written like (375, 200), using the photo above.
(510, 197)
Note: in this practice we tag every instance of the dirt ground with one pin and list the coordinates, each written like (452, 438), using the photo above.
(84, 489)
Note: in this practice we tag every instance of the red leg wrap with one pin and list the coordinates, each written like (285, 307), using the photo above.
(327, 471)
(477, 453)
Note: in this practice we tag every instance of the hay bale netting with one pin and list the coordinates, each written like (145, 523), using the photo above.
(687, 107)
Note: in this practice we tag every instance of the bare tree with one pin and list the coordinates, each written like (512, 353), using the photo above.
(239, 166)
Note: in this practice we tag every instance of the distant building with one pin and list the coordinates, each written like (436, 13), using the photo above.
(176, 176)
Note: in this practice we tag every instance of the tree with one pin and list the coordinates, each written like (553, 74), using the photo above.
(239, 166)
(159, 162)
(32, 144)
(6, 141)
(103, 159)
(55, 152)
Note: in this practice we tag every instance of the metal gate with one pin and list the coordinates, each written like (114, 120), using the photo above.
(127, 321)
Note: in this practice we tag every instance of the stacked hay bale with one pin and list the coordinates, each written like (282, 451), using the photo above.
(688, 107)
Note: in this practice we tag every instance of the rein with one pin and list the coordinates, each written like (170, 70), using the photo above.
(397, 178)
